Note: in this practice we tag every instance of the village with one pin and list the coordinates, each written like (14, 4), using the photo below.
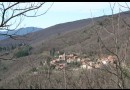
(66, 60)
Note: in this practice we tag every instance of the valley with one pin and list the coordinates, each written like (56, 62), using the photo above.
(88, 53)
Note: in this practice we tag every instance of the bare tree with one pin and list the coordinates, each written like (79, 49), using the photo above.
(13, 13)
(103, 78)
(119, 72)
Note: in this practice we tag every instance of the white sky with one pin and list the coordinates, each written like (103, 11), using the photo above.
(69, 11)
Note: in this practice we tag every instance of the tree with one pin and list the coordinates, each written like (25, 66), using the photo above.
(12, 13)
(52, 52)
(0, 49)
(23, 52)
(120, 72)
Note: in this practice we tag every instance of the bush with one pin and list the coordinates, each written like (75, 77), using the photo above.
(34, 69)
(74, 64)
(23, 52)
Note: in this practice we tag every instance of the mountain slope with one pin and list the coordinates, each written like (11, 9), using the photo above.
(79, 36)
(81, 32)
(21, 31)
(84, 38)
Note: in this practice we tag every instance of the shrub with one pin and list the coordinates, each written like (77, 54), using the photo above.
(74, 64)
(34, 69)
(23, 52)
(61, 52)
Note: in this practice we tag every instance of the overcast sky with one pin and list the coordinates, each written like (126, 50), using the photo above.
(62, 12)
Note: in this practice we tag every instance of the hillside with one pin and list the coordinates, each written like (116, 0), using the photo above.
(20, 31)
(47, 32)
(84, 38)
(89, 37)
